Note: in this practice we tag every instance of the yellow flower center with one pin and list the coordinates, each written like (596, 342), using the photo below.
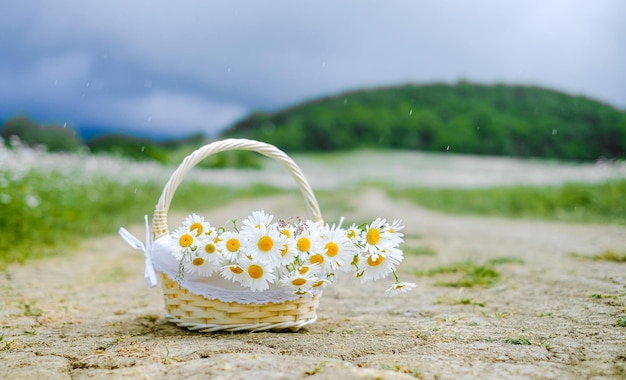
(317, 284)
(373, 236)
(284, 251)
(198, 261)
(332, 249)
(185, 240)
(303, 270)
(377, 262)
(304, 244)
(317, 259)
(265, 243)
(286, 232)
(209, 248)
(233, 244)
(255, 271)
(392, 230)
(351, 234)
(298, 282)
(196, 227)
(236, 269)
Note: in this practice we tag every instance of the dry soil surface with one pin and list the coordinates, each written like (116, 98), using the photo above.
(551, 315)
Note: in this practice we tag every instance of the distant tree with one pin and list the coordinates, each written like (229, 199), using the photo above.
(53, 137)
(128, 146)
(21, 127)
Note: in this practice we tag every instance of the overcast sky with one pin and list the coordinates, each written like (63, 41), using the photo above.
(184, 66)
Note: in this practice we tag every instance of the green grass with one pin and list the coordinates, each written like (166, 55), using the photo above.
(518, 341)
(602, 296)
(43, 214)
(606, 255)
(572, 202)
(421, 250)
(238, 159)
(334, 203)
(468, 274)
(459, 301)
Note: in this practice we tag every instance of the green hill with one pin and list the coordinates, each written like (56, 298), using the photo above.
(54, 137)
(519, 121)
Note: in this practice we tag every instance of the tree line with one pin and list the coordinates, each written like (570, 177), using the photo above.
(518, 121)
(56, 138)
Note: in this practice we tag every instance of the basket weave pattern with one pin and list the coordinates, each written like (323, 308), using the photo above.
(204, 315)
(198, 313)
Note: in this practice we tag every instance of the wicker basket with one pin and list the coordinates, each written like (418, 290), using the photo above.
(195, 312)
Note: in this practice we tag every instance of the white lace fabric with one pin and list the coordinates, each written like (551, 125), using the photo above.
(215, 286)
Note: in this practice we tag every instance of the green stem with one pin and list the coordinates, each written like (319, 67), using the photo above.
(396, 276)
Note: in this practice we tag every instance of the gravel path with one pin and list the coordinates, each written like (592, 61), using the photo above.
(89, 314)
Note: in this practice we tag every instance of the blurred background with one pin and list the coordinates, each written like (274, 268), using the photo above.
(118, 82)
(163, 70)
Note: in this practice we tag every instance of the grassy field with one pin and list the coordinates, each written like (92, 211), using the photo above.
(50, 201)
(570, 202)
(44, 213)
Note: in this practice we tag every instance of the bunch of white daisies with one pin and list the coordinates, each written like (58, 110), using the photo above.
(300, 256)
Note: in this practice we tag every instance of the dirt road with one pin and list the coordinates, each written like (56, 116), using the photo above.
(550, 315)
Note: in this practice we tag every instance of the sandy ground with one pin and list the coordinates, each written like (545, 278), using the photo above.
(89, 314)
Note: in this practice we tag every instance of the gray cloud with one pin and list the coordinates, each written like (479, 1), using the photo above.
(191, 65)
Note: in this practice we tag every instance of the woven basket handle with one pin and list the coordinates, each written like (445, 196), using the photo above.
(159, 221)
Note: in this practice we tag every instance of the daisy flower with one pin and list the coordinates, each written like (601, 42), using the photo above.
(230, 245)
(300, 281)
(337, 250)
(396, 236)
(377, 266)
(259, 275)
(264, 245)
(196, 225)
(304, 240)
(258, 219)
(202, 263)
(234, 273)
(288, 252)
(211, 233)
(399, 287)
(303, 256)
(308, 270)
(209, 249)
(376, 237)
(357, 259)
(354, 233)
(183, 243)
(318, 259)
(286, 229)
(320, 284)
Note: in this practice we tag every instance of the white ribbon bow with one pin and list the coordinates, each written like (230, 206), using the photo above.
(149, 274)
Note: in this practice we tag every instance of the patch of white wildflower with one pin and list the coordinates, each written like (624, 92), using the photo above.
(299, 256)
